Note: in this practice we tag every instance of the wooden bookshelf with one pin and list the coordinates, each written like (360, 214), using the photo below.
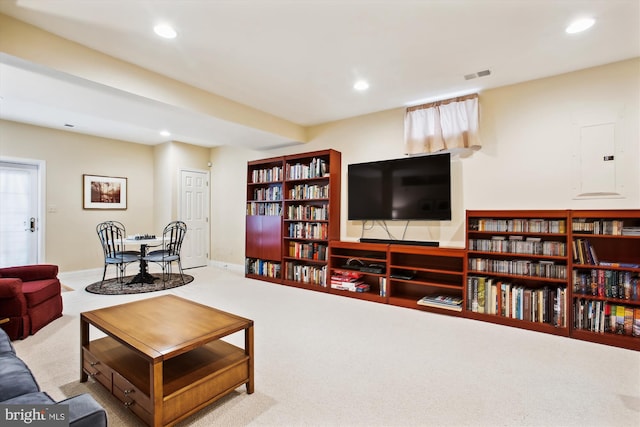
(518, 269)
(263, 244)
(289, 234)
(416, 272)
(399, 274)
(350, 257)
(561, 272)
(605, 274)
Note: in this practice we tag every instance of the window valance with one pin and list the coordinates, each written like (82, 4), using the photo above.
(444, 125)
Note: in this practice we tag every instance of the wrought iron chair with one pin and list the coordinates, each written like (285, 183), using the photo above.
(111, 235)
(172, 238)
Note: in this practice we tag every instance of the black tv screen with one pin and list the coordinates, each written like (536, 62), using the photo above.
(412, 188)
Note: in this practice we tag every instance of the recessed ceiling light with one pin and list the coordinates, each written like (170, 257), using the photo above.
(361, 85)
(580, 25)
(165, 30)
(165, 133)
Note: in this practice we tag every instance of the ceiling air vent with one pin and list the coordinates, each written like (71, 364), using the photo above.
(482, 73)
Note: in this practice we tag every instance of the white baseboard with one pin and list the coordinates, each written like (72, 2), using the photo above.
(239, 268)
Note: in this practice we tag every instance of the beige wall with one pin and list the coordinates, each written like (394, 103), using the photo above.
(169, 159)
(530, 134)
(70, 236)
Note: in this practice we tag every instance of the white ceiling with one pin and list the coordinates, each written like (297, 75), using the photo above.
(298, 59)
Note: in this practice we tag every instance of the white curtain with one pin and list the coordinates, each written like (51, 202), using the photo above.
(443, 125)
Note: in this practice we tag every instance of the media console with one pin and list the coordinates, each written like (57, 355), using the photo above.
(400, 242)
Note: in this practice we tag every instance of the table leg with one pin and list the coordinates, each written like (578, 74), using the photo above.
(84, 340)
(143, 275)
(248, 348)
(157, 392)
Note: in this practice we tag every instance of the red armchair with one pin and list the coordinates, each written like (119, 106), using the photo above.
(30, 298)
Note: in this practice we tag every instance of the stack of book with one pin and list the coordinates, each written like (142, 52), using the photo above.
(346, 280)
(631, 231)
(442, 301)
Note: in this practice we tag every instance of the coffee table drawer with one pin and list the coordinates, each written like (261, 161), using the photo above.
(96, 369)
(129, 394)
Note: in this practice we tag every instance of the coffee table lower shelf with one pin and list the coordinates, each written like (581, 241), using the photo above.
(191, 380)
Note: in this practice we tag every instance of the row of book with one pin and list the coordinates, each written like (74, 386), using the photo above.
(315, 251)
(273, 193)
(259, 176)
(306, 273)
(492, 296)
(309, 230)
(584, 253)
(348, 280)
(445, 302)
(519, 225)
(518, 267)
(271, 209)
(306, 191)
(306, 212)
(262, 267)
(597, 226)
(519, 245)
(315, 169)
(604, 317)
(607, 283)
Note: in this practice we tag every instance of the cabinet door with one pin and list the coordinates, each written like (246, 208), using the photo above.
(263, 238)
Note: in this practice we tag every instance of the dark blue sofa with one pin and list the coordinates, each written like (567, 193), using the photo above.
(19, 387)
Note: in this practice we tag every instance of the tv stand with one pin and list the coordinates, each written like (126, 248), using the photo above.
(400, 242)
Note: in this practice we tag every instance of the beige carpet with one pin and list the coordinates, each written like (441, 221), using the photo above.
(323, 360)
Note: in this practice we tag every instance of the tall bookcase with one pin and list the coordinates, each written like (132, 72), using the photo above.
(292, 216)
(263, 244)
(605, 274)
(517, 269)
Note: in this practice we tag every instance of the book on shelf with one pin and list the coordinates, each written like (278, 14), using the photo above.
(348, 280)
(442, 301)
(619, 264)
(631, 231)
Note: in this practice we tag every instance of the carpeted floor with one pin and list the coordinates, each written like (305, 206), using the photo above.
(325, 360)
(113, 287)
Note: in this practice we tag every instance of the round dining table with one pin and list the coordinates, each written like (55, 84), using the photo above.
(145, 243)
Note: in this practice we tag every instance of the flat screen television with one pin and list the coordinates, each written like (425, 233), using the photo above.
(411, 188)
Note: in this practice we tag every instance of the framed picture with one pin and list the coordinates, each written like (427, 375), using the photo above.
(104, 192)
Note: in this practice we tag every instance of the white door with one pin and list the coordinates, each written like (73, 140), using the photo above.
(19, 214)
(194, 211)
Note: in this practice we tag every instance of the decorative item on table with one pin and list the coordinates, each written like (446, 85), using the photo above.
(142, 236)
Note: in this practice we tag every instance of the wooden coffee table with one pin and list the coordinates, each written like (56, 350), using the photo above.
(163, 357)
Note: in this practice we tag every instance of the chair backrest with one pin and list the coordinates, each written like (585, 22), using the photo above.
(111, 234)
(172, 237)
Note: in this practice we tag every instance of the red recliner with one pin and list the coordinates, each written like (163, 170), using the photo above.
(30, 298)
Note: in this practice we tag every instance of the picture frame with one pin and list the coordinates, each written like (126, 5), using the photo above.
(104, 192)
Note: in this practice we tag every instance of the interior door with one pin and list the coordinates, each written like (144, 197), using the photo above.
(194, 211)
(19, 214)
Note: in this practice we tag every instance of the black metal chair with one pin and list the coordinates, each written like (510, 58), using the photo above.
(172, 238)
(111, 235)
